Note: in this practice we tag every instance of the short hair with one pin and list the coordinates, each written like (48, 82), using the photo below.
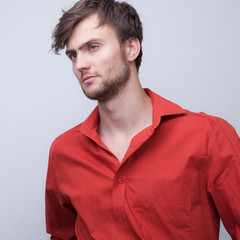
(120, 15)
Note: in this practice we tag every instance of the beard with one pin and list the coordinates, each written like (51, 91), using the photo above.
(112, 81)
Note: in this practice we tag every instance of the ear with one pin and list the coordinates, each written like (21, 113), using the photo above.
(132, 49)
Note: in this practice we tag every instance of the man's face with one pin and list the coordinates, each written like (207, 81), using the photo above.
(99, 62)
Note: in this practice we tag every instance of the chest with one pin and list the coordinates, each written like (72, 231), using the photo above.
(152, 184)
(118, 146)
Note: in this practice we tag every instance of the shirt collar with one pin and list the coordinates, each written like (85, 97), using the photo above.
(161, 107)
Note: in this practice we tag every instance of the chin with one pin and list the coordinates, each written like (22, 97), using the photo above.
(93, 95)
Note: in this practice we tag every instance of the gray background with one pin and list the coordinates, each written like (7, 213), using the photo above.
(191, 57)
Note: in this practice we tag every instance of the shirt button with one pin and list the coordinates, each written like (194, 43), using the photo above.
(120, 181)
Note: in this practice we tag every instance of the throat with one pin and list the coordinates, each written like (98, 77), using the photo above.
(122, 119)
(117, 145)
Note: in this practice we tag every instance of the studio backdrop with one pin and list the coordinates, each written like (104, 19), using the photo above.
(190, 56)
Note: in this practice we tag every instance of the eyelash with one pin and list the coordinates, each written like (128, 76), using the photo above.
(95, 46)
(74, 55)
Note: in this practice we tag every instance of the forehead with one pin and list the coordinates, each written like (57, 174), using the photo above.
(88, 29)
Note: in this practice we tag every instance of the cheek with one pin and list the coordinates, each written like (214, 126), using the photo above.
(76, 73)
(109, 56)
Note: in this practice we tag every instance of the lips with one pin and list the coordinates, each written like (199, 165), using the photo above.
(88, 78)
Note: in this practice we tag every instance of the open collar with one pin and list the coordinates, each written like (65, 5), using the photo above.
(161, 107)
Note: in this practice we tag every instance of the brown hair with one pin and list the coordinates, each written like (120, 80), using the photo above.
(120, 15)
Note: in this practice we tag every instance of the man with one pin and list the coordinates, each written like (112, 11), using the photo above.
(139, 167)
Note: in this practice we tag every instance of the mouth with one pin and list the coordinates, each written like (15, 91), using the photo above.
(88, 79)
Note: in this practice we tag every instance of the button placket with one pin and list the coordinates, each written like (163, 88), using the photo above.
(118, 197)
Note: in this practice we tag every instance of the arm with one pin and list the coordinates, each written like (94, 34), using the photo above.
(60, 216)
(224, 176)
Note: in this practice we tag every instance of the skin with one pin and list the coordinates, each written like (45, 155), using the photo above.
(107, 72)
(99, 63)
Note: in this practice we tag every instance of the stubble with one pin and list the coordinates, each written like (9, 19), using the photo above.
(113, 81)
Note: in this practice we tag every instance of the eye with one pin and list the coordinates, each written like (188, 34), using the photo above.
(73, 56)
(93, 47)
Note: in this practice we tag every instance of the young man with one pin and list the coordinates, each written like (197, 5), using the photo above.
(139, 167)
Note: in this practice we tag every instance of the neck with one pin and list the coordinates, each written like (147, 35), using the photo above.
(128, 113)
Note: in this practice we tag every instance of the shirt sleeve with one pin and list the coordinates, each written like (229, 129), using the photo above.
(60, 216)
(224, 175)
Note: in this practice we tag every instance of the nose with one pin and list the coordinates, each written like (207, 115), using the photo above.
(82, 63)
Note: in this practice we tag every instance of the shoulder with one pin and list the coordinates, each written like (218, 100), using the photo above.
(66, 137)
(203, 123)
(74, 138)
(206, 119)
(202, 118)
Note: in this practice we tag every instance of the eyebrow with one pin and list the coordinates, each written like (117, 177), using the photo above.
(84, 45)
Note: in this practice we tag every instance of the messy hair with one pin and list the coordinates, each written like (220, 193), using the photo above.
(120, 15)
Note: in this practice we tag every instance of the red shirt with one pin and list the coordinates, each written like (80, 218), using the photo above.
(177, 177)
